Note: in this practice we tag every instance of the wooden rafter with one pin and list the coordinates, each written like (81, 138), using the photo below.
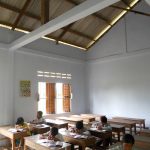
(44, 11)
(21, 14)
(17, 10)
(95, 14)
(129, 10)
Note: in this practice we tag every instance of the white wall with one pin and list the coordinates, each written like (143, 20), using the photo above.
(26, 67)
(6, 96)
(118, 72)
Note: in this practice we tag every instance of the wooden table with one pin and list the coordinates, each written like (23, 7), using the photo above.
(35, 143)
(83, 142)
(145, 132)
(142, 142)
(70, 119)
(5, 130)
(102, 134)
(126, 123)
(118, 129)
(138, 121)
(57, 123)
(86, 119)
(40, 128)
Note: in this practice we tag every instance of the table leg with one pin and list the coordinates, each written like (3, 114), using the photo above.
(135, 129)
(118, 135)
(25, 147)
(131, 130)
(144, 124)
(13, 144)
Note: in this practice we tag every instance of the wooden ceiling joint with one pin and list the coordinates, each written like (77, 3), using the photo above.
(44, 11)
(21, 14)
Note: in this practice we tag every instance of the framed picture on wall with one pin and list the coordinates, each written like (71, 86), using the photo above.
(25, 88)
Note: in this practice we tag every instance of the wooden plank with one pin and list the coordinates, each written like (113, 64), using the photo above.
(44, 11)
(21, 14)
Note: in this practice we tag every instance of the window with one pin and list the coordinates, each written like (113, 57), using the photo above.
(54, 97)
(56, 75)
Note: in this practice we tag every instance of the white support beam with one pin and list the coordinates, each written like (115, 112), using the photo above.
(83, 10)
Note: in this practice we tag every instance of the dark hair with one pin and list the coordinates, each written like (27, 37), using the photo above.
(54, 131)
(40, 113)
(79, 125)
(128, 138)
(103, 119)
(20, 121)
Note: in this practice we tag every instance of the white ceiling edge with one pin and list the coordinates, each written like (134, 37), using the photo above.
(50, 55)
(80, 11)
(4, 46)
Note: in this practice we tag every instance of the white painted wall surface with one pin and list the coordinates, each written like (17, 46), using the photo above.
(6, 96)
(26, 67)
(118, 69)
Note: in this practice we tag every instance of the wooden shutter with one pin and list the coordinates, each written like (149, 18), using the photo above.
(66, 97)
(50, 98)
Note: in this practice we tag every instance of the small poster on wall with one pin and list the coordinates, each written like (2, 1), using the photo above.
(25, 88)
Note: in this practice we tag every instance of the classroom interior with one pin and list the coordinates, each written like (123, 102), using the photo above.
(111, 77)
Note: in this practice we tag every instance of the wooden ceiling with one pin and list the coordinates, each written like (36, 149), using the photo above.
(28, 15)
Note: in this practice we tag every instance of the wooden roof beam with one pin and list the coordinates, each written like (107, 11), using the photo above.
(21, 14)
(44, 11)
(81, 11)
(129, 10)
(17, 10)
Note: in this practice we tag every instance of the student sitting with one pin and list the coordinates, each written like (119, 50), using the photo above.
(104, 126)
(53, 134)
(20, 124)
(39, 119)
(79, 129)
(128, 144)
